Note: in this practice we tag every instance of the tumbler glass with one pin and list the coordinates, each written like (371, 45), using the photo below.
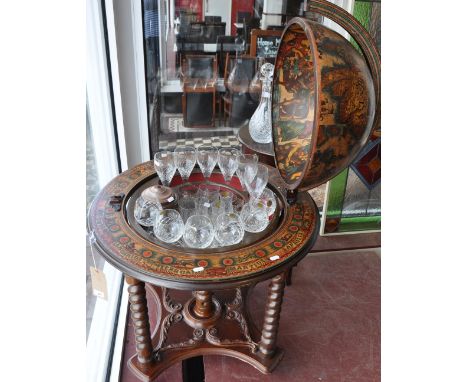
(165, 166)
(144, 212)
(228, 160)
(185, 159)
(269, 199)
(187, 191)
(204, 206)
(229, 229)
(225, 197)
(211, 191)
(187, 208)
(207, 157)
(216, 210)
(199, 232)
(254, 217)
(237, 204)
(168, 226)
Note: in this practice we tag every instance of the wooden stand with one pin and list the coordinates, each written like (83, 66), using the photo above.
(209, 323)
(200, 295)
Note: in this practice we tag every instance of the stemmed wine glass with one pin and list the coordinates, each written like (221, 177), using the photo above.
(206, 158)
(185, 158)
(165, 166)
(257, 185)
(247, 168)
(228, 160)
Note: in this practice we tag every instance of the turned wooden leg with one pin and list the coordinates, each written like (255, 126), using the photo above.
(203, 304)
(267, 345)
(139, 313)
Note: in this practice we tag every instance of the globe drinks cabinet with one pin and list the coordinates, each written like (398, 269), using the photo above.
(325, 104)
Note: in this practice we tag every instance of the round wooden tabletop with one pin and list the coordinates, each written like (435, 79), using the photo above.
(181, 268)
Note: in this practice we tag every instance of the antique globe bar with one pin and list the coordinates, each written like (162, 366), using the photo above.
(325, 105)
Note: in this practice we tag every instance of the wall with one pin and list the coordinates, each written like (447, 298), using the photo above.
(240, 6)
(196, 6)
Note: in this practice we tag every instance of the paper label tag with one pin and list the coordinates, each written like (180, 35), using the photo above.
(98, 283)
(207, 205)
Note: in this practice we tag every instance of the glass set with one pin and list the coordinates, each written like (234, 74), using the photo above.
(208, 215)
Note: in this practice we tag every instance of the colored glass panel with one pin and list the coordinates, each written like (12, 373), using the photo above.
(353, 199)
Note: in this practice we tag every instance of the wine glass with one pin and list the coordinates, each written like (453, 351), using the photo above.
(206, 158)
(199, 232)
(185, 159)
(247, 168)
(228, 160)
(229, 229)
(165, 166)
(168, 226)
(260, 180)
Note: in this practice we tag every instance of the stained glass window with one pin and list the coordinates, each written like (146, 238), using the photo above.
(353, 197)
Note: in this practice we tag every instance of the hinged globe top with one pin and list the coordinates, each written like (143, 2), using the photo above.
(323, 104)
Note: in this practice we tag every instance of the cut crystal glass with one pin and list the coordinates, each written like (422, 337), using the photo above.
(260, 123)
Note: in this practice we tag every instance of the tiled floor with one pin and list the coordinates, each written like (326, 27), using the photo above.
(174, 123)
(173, 134)
(330, 325)
(219, 141)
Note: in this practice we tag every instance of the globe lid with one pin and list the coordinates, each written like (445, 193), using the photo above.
(323, 104)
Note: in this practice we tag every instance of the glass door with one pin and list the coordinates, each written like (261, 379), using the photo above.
(200, 67)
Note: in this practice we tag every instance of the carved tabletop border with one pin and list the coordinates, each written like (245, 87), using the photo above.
(134, 255)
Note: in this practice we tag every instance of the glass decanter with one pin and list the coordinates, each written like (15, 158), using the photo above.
(260, 123)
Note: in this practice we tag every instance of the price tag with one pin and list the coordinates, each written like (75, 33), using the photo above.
(206, 204)
(98, 283)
